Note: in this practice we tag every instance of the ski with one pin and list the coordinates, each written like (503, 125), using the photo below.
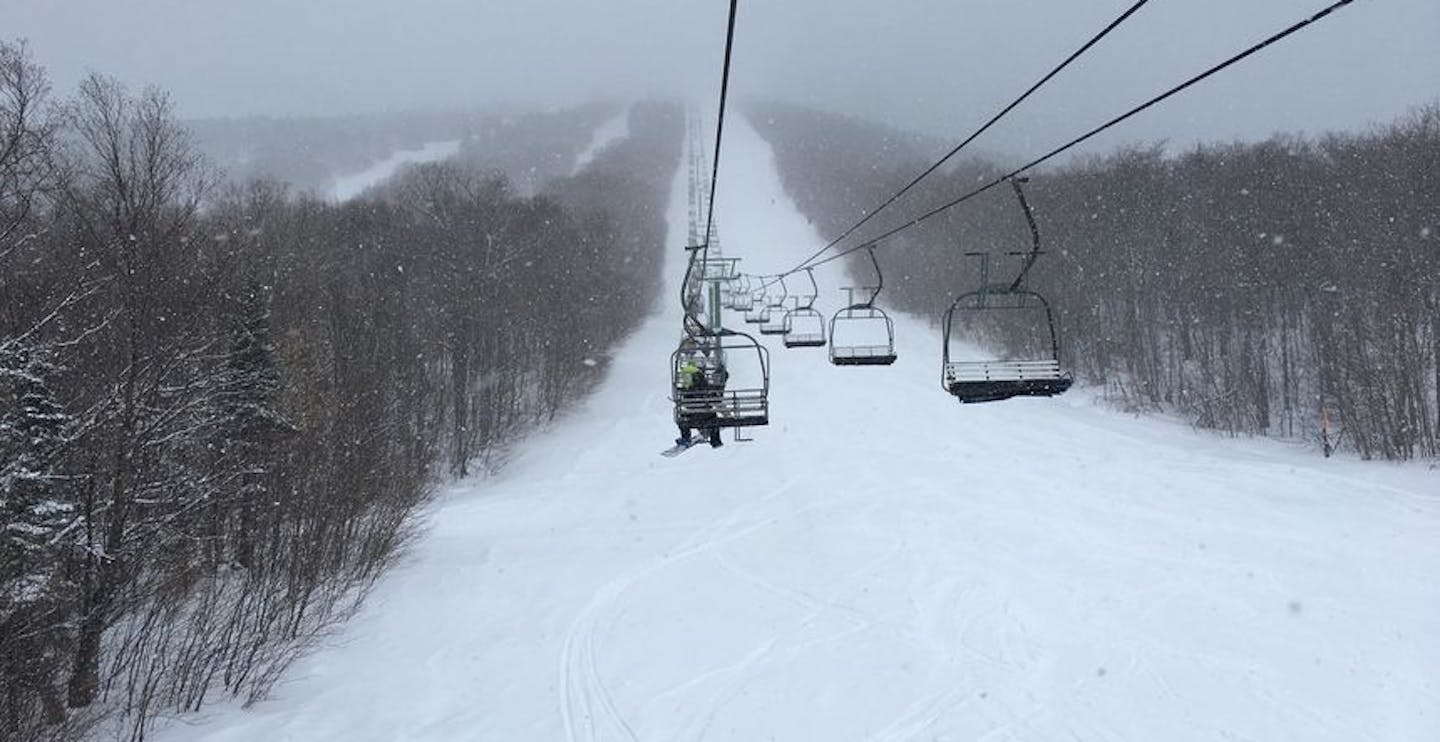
(679, 448)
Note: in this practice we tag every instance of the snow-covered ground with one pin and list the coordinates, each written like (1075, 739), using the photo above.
(611, 131)
(346, 187)
(885, 564)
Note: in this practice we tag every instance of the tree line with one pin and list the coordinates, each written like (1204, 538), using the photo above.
(220, 405)
(1289, 287)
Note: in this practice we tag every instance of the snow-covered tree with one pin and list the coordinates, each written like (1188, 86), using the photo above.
(250, 378)
(246, 422)
(33, 512)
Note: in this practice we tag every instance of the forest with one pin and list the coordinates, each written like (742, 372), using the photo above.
(222, 402)
(1288, 287)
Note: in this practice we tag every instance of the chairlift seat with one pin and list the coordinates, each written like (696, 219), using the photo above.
(716, 408)
(991, 381)
(804, 339)
(772, 324)
(862, 355)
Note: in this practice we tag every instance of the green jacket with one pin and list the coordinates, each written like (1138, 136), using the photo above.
(688, 373)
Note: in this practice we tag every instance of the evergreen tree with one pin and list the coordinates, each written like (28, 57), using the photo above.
(246, 422)
(250, 378)
(33, 516)
(32, 510)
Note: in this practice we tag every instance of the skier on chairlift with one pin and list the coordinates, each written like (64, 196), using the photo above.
(694, 379)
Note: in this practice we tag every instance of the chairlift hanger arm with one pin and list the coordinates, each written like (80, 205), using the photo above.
(814, 288)
(879, 277)
(1034, 233)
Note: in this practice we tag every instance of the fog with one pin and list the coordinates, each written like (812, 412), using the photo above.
(938, 66)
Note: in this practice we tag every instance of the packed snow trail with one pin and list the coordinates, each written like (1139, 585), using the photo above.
(884, 564)
(346, 187)
(613, 130)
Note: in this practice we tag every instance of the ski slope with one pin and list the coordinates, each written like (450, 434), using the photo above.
(884, 564)
(346, 187)
(613, 130)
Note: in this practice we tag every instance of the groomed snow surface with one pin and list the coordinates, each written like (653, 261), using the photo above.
(346, 187)
(613, 130)
(885, 564)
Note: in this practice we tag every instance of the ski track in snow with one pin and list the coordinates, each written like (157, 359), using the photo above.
(883, 564)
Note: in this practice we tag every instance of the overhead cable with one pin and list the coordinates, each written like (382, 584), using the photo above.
(1216, 69)
(986, 127)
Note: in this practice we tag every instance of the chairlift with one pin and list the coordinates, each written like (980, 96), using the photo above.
(777, 307)
(740, 299)
(775, 323)
(804, 326)
(759, 310)
(732, 387)
(994, 379)
(862, 334)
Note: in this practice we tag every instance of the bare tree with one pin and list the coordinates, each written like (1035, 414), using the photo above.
(27, 133)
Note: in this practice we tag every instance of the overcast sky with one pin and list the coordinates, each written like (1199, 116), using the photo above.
(940, 66)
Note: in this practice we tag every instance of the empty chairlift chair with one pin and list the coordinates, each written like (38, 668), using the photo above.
(742, 297)
(758, 311)
(862, 334)
(804, 326)
(738, 295)
(994, 379)
(777, 307)
(1022, 314)
(732, 386)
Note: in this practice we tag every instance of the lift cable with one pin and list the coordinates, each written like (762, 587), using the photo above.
(720, 122)
(700, 252)
(1296, 28)
(988, 124)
